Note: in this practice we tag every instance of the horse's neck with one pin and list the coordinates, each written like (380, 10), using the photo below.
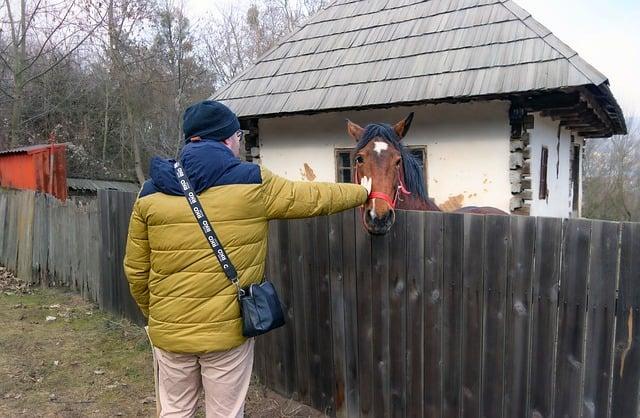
(416, 203)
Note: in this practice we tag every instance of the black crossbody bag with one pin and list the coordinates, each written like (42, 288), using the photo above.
(259, 303)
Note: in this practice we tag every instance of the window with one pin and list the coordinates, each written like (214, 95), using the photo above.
(575, 176)
(543, 191)
(420, 153)
(344, 165)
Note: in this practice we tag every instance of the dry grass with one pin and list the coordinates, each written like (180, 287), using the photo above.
(85, 363)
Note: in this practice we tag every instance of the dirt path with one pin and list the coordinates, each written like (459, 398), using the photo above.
(61, 357)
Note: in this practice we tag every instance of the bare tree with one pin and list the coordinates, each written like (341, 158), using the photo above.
(112, 77)
(612, 176)
(51, 28)
(241, 37)
(181, 66)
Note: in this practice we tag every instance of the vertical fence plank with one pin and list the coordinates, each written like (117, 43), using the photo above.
(365, 323)
(296, 230)
(336, 266)
(96, 254)
(495, 291)
(264, 345)
(452, 318)
(398, 315)
(323, 330)
(106, 260)
(626, 371)
(433, 315)
(310, 291)
(572, 318)
(380, 259)
(11, 241)
(471, 309)
(37, 243)
(286, 335)
(603, 269)
(351, 312)
(415, 313)
(25, 237)
(518, 315)
(3, 223)
(545, 312)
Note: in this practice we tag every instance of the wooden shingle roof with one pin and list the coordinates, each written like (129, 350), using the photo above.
(368, 53)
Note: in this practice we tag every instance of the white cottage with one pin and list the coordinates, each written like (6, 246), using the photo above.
(502, 107)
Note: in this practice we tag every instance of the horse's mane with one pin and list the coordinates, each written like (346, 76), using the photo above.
(413, 176)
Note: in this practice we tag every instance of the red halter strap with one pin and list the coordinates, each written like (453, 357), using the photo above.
(383, 196)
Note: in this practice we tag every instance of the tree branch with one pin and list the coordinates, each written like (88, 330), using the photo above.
(46, 41)
(55, 64)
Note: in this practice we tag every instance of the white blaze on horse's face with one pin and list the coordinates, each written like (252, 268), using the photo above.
(380, 146)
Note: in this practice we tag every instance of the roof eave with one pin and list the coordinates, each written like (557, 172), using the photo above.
(601, 106)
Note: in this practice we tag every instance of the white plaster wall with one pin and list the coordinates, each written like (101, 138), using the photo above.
(467, 147)
(559, 200)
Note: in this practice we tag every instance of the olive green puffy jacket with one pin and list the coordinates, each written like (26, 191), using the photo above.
(174, 277)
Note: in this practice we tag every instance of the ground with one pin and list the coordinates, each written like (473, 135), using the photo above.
(62, 357)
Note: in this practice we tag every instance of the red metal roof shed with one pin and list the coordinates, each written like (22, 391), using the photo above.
(38, 167)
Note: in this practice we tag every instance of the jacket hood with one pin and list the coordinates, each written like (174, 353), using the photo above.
(207, 164)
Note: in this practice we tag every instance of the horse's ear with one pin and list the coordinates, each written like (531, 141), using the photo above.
(402, 127)
(355, 130)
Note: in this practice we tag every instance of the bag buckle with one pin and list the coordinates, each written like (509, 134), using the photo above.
(236, 283)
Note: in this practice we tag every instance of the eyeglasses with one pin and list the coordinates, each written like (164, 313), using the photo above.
(240, 135)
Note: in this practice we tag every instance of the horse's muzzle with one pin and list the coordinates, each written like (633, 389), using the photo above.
(378, 225)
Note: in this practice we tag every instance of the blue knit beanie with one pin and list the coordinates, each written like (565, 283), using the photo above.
(209, 120)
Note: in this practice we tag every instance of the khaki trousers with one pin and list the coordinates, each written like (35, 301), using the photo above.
(224, 376)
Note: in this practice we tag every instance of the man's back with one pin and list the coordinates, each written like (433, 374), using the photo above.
(191, 305)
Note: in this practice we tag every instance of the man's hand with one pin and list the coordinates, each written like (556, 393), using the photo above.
(366, 183)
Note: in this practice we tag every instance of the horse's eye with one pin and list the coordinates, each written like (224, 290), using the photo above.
(359, 159)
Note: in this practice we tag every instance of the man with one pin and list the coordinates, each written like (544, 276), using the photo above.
(192, 308)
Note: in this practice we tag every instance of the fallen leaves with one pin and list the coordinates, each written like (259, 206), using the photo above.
(11, 285)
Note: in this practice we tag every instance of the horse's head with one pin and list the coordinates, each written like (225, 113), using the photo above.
(394, 172)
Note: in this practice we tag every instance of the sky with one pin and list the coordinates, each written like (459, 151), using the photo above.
(605, 33)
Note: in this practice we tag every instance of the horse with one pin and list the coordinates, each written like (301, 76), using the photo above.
(396, 175)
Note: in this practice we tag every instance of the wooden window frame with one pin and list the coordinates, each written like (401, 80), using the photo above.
(576, 161)
(422, 148)
(543, 186)
(336, 159)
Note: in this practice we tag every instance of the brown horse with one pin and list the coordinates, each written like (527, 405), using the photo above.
(397, 179)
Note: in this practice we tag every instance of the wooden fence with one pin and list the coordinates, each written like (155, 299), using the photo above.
(457, 316)
(78, 245)
(446, 316)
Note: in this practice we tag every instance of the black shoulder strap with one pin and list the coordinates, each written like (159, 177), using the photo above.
(205, 225)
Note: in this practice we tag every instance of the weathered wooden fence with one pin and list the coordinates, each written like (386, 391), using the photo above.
(53, 243)
(446, 316)
(457, 315)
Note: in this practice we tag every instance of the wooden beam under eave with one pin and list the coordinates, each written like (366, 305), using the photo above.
(605, 133)
(552, 101)
(590, 99)
(589, 128)
(589, 118)
(578, 108)
(583, 126)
